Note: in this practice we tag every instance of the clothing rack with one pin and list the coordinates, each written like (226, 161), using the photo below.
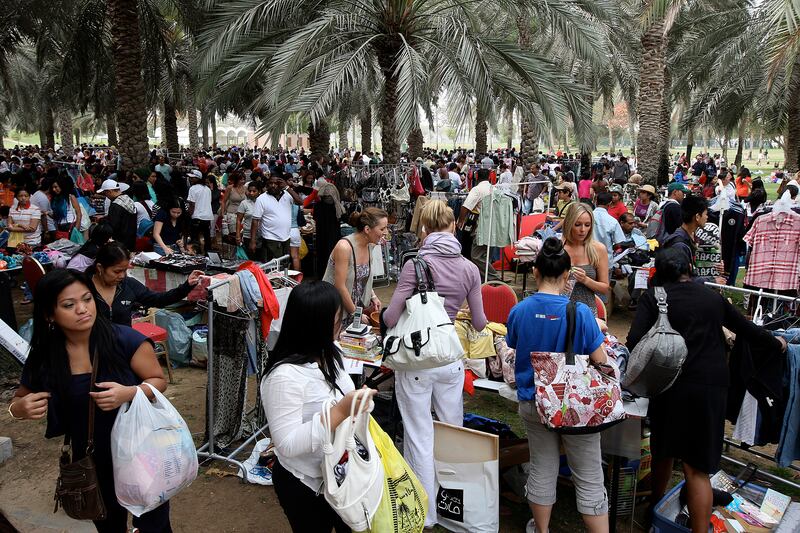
(728, 443)
(207, 450)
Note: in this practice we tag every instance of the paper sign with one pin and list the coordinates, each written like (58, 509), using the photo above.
(11, 341)
(641, 279)
(353, 366)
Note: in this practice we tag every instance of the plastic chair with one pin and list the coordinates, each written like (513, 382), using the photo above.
(32, 271)
(146, 325)
(498, 299)
(601, 308)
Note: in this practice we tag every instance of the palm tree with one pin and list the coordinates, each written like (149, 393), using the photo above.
(316, 51)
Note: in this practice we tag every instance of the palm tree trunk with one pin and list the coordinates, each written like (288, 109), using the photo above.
(750, 151)
(651, 101)
(42, 138)
(2, 134)
(415, 143)
(342, 131)
(171, 128)
(49, 128)
(319, 138)
(65, 131)
(529, 143)
(725, 142)
(77, 136)
(366, 130)
(204, 127)
(111, 129)
(129, 93)
(390, 144)
(214, 128)
(791, 148)
(480, 132)
(740, 147)
(689, 145)
(664, 130)
(191, 110)
(611, 147)
(509, 129)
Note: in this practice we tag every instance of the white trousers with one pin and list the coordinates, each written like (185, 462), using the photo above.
(415, 391)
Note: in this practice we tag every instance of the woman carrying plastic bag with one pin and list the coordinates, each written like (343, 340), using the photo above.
(153, 453)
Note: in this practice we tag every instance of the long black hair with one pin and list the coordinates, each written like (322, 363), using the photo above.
(307, 330)
(48, 361)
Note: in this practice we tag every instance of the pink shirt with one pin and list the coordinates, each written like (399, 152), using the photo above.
(584, 189)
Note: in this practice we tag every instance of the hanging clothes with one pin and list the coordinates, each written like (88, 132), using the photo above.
(789, 444)
(496, 223)
(732, 232)
(775, 256)
(228, 378)
(270, 309)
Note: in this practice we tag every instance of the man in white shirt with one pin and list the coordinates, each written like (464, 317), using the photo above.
(272, 219)
(487, 162)
(467, 222)
(199, 200)
(42, 201)
(455, 177)
(505, 179)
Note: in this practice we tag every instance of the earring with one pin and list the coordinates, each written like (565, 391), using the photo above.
(51, 325)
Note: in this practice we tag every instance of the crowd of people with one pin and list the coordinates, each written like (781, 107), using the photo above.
(259, 200)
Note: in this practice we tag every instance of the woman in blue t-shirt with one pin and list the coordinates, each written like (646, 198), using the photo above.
(538, 324)
(56, 378)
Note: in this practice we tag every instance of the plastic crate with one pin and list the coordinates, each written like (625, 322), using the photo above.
(666, 511)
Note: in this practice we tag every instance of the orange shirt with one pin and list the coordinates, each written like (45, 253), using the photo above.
(743, 186)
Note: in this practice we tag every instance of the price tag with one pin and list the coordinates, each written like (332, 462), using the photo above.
(642, 276)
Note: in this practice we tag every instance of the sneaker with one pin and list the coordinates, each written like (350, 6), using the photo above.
(530, 527)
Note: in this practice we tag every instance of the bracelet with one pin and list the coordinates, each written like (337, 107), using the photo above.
(12, 414)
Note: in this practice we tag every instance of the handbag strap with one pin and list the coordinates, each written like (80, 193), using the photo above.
(569, 349)
(90, 423)
(424, 278)
(661, 300)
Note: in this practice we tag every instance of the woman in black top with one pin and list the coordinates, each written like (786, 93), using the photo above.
(687, 421)
(67, 330)
(118, 293)
(169, 228)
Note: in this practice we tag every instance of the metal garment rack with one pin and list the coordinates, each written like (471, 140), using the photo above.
(208, 450)
(728, 443)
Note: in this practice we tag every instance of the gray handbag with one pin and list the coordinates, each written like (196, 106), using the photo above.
(655, 363)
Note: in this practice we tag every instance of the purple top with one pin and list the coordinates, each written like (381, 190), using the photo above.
(455, 277)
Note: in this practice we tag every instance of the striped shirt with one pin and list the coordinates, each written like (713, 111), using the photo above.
(25, 217)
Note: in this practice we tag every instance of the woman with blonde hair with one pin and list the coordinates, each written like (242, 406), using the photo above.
(589, 257)
(350, 267)
(456, 279)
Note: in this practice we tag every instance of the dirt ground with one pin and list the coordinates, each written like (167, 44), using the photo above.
(215, 501)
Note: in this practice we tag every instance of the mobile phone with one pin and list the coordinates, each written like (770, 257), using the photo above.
(357, 316)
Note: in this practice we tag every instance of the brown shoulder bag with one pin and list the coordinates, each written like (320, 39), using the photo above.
(77, 489)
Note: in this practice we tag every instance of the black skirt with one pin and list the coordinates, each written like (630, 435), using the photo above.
(687, 422)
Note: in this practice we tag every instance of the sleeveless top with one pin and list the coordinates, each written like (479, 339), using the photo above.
(582, 293)
(234, 199)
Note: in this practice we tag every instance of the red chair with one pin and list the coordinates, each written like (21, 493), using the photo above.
(146, 325)
(32, 271)
(602, 314)
(527, 225)
(498, 299)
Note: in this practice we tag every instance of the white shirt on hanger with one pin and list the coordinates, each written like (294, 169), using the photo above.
(293, 396)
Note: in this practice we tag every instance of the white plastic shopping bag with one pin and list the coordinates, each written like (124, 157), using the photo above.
(467, 472)
(153, 453)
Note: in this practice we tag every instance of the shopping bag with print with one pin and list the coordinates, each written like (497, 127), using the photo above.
(468, 475)
(152, 452)
(573, 394)
(351, 469)
(404, 503)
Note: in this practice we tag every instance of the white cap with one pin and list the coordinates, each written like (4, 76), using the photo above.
(109, 185)
(195, 174)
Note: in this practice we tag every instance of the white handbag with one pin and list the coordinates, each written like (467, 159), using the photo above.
(424, 336)
(353, 487)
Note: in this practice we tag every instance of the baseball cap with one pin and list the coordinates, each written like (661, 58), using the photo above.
(677, 187)
(109, 185)
(566, 186)
(615, 189)
(195, 174)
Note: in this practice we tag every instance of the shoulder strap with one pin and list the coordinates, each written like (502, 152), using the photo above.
(569, 349)
(424, 278)
(90, 425)
(661, 300)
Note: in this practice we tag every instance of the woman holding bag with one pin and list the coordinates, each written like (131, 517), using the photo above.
(304, 371)
(71, 340)
(539, 324)
(456, 279)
